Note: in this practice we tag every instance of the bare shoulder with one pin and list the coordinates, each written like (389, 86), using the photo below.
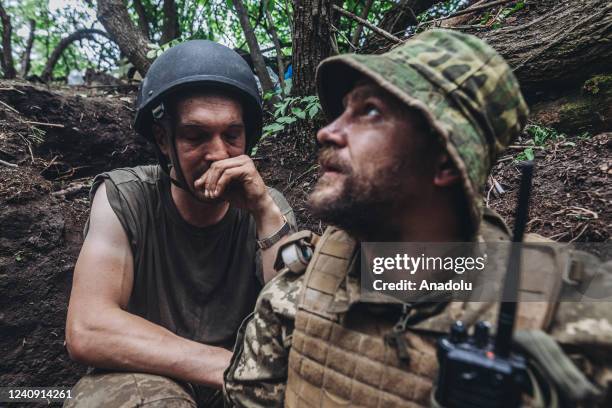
(104, 269)
(103, 221)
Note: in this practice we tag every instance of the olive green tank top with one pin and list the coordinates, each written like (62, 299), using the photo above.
(199, 283)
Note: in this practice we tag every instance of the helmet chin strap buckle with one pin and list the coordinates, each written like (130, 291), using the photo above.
(158, 111)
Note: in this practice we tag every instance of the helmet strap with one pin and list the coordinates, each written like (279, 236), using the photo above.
(175, 163)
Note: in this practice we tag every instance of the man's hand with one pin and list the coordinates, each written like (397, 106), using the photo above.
(236, 180)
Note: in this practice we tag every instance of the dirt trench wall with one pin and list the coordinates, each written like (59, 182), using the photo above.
(58, 140)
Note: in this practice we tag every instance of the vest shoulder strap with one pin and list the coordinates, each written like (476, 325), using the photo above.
(295, 253)
(327, 271)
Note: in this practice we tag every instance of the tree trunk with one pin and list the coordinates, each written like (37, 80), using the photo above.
(364, 14)
(27, 52)
(63, 44)
(143, 21)
(170, 28)
(396, 20)
(116, 20)
(8, 66)
(254, 50)
(312, 41)
(562, 47)
(277, 46)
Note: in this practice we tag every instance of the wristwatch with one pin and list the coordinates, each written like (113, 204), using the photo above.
(267, 242)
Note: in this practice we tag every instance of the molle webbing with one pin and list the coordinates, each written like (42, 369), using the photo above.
(333, 364)
(327, 271)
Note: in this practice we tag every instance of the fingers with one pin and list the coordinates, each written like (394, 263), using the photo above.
(209, 179)
(227, 176)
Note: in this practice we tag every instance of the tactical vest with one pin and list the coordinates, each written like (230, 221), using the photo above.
(341, 354)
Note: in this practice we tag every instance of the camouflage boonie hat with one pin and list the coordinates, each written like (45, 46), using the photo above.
(464, 88)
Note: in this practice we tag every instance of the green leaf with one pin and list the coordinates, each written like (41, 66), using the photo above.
(286, 119)
(312, 112)
(310, 99)
(268, 95)
(273, 128)
(282, 107)
(529, 153)
(299, 113)
(151, 54)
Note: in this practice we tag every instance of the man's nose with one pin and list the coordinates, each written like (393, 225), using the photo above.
(216, 149)
(334, 133)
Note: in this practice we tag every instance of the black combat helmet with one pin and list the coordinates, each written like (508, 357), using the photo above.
(191, 65)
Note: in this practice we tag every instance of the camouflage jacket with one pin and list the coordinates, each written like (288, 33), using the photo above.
(258, 371)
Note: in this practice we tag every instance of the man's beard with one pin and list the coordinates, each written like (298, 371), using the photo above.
(361, 205)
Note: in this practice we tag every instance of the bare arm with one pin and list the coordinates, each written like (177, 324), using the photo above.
(269, 220)
(99, 330)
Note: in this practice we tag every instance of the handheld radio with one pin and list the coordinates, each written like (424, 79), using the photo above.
(479, 371)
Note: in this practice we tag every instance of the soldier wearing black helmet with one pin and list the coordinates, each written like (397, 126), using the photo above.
(175, 254)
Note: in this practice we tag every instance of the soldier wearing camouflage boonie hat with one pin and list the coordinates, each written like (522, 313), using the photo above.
(465, 89)
(315, 338)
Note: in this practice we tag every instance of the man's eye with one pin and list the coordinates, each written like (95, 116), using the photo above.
(372, 111)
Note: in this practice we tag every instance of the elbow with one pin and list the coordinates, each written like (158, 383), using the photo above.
(78, 342)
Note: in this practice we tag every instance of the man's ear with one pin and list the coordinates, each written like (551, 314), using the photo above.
(160, 138)
(446, 172)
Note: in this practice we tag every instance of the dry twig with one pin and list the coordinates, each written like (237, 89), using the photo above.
(366, 23)
(10, 107)
(72, 190)
(298, 178)
(468, 11)
(586, 225)
(31, 122)
(5, 163)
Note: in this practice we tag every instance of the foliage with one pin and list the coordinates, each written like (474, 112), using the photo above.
(541, 137)
(197, 19)
(290, 110)
(443, 9)
(497, 20)
(156, 50)
(55, 20)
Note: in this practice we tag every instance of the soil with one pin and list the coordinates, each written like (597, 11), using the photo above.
(77, 135)
(44, 204)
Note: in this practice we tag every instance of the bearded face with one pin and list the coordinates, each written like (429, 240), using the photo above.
(354, 199)
(375, 161)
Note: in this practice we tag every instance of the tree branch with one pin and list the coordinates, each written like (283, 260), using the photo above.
(170, 28)
(470, 10)
(63, 44)
(279, 50)
(143, 21)
(359, 28)
(255, 51)
(133, 44)
(371, 26)
(25, 57)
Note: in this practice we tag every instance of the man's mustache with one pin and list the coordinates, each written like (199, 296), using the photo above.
(328, 158)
